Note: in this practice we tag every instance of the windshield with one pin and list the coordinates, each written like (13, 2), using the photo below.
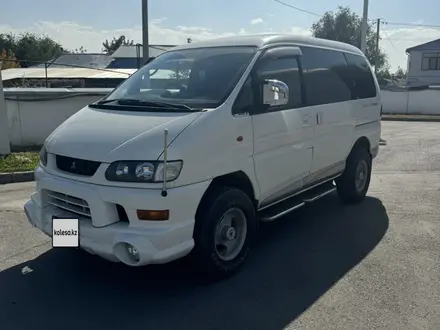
(197, 78)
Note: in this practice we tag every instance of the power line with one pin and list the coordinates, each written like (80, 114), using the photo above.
(389, 39)
(371, 20)
(399, 39)
(297, 8)
(412, 24)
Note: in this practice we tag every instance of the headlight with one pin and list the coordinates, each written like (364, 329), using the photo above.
(143, 171)
(43, 156)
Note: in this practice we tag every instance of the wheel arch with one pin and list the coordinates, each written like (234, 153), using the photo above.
(237, 179)
(362, 142)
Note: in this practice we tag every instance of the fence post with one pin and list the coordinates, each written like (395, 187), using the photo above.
(45, 73)
(5, 147)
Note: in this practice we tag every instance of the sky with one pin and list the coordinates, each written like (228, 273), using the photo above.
(88, 23)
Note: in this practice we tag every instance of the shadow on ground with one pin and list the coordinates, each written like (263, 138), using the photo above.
(296, 261)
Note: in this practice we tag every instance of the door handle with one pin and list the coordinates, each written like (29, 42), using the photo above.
(319, 116)
(306, 119)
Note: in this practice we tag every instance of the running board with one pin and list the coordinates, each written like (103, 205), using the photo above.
(278, 210)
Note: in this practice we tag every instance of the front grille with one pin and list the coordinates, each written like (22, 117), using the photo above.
(77, 166)
(71, 204)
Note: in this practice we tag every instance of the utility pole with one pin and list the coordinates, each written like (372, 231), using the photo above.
(364, 27)
(145, 41)
(382, 142)
(5, 148)
(376, 56)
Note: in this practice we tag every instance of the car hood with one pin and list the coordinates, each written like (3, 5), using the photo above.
(107, 135)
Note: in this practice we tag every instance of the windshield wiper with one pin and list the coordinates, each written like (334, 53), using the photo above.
(106, 101)
(148, 103)
(153, 104)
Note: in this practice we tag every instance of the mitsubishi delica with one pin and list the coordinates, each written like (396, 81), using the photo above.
(189, 154)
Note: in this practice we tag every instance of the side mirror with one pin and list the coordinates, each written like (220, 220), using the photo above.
(275, 92)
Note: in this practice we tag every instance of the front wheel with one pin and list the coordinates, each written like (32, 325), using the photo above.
(353, 184)
(224, 231)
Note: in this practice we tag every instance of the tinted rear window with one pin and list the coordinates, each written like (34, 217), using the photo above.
(325, 76)
(363, 85)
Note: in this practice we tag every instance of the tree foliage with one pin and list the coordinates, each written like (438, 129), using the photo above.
(385, 76)
(345, 26)
(30, 48)
(180, 74)
(8, 60)
(400, 73)
(80, 50)
(109, 47)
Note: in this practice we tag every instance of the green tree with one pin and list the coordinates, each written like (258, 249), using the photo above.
(345, 26)
(383, 76)
(8, 60)
(109, 47)
(180, 74)
(7, 42)
(400, 73)
(80, 50)
(30, 48)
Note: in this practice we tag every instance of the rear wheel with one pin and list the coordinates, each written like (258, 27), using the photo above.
(353, 184)
(224, 231)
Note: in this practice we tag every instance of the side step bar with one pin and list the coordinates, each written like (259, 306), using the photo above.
(278, 210)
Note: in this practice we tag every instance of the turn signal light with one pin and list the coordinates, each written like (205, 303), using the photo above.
(153, 215)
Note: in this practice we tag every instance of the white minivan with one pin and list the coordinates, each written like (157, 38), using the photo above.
(191, 152)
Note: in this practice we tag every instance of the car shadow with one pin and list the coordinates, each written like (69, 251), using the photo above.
(297, 260)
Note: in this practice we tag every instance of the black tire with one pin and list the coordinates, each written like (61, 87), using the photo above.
(205, 254)
(346, 186)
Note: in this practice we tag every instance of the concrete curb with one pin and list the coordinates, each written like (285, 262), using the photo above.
(15, 177)
(411, 118)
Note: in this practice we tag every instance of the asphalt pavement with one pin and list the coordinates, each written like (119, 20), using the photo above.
(327, 266)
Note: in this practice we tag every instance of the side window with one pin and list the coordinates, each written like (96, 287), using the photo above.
(244, 103)
(430, 61)
(363, 85)
(286, 70)
(325, 76)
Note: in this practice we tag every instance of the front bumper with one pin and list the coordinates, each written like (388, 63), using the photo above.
(102, 233)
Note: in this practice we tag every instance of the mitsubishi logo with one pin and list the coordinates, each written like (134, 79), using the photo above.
(73, 166)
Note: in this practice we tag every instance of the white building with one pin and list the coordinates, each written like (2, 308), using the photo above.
(424, 64)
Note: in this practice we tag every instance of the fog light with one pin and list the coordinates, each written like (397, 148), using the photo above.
(132, 252)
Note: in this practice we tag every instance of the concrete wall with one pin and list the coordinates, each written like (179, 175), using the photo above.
(5, 148)
(34, 113)
(402, 101)
(416, 76)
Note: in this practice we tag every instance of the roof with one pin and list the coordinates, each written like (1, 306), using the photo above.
(125, 63)
(432, 45)
(25, 91)
(65, 73)
(123, 58)
(88, 60)
(132, 51)
(261, 40)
